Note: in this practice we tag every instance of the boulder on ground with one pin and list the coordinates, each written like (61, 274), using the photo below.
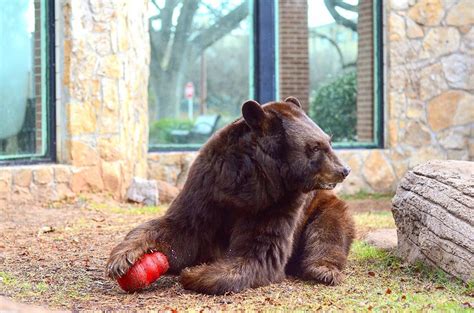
(385, 238)
(434, 213)
(166, 191)
(143, 191)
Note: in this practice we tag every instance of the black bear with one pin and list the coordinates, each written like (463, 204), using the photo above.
(256, 206)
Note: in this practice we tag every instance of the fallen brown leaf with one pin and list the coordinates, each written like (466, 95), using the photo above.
(45, 230)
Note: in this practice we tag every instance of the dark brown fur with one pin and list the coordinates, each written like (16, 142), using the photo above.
(252, 209)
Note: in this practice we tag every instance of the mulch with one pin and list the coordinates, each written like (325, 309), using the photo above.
(57, 254)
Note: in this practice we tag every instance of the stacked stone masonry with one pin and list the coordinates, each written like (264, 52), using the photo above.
(38, 183)
(430, 84)
(104, 93)
(429, 97)
(429, 107)
(103, 63)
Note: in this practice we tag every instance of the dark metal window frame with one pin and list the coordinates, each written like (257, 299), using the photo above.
(378, 78)
(265, 51)
(50, 81)
(265, 71)
(264, 75)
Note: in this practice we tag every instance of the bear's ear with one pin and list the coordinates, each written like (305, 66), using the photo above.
(294, 101)
(253, 114)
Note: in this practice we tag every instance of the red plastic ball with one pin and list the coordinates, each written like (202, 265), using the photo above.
(144, 272)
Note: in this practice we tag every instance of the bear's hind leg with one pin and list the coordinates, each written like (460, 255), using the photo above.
(258, 252)
(325, 242)
(225, 275)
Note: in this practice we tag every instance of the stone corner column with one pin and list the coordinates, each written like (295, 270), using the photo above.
(104, 55)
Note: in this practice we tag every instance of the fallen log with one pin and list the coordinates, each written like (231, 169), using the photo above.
(434, 213)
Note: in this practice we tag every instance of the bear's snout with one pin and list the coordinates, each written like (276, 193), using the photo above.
(345, 171)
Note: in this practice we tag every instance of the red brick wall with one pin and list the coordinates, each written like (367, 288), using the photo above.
(37, 75)
(365, 61)
(293, 50)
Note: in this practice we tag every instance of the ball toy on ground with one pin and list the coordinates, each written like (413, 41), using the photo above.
(144, 272)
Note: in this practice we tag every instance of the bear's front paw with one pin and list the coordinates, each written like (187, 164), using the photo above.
(120, 261)
(328, 275)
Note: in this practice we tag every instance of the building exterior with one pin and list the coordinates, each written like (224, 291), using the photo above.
(417, 105)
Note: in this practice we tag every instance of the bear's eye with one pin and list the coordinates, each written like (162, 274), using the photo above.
(311, 149)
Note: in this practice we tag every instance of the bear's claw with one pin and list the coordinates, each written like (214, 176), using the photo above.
(326, 275)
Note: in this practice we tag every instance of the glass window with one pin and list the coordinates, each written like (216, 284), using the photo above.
(24, 94)
(343, 66)
(201, 68)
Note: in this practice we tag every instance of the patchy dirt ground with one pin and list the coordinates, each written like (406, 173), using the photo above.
(55, 256)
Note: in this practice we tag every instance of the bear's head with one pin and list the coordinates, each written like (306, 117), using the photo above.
(283, 132)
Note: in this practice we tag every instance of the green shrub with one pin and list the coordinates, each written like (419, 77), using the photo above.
(160, 130)
(334, 107)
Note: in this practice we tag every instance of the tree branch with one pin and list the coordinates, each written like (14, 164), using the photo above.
(333, 42)
(185, 21)
(222, 27)
(331, 6)
(160, 39)
(215, 12)
(156, 5)
(155, 17)
(346, 6)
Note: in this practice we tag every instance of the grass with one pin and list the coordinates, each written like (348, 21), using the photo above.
(377, 280)
(388, 284)
(36, 290)
(127, 210)
(23, 289)
(365, 195)
(374, 220)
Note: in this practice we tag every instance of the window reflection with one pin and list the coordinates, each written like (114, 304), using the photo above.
(201, 65)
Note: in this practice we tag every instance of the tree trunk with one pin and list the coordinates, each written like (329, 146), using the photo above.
(434, 212)
(172, 52)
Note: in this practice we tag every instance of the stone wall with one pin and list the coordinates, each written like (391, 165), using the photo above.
(102, 126)
(102, 104)
(171, 167)
(429, 92)
(429, 88)
(36, 183)
(105, 98)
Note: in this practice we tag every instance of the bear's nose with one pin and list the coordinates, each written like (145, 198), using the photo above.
(346, 171)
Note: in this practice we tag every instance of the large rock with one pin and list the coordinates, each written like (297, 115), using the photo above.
(378, 172)
(461, 14)
(143, 191)
(434, 212)
(384, 238)
(167, 192)
(427, 12)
